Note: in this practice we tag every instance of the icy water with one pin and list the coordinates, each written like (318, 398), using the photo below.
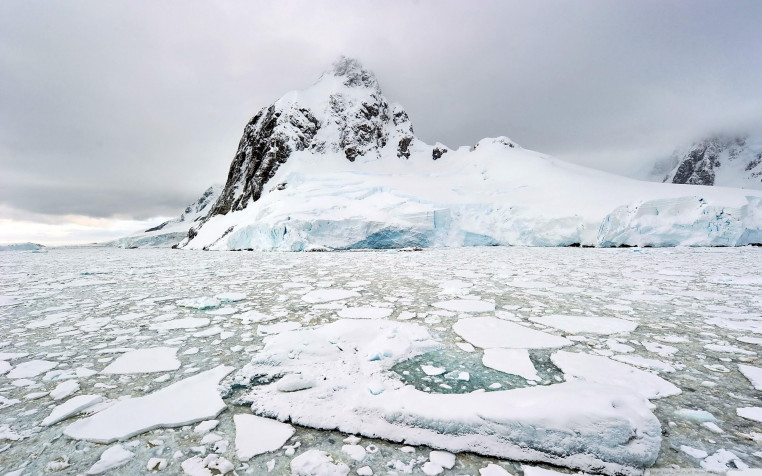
(66, 315)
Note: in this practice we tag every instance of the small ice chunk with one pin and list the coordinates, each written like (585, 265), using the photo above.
(206, 426)
(200, 303)
(619, 347)
(465, 346)
(316, 462)
(365, 312)
(695, 415)
(154, 359)
(71, 407)
(711, 426)
(156, 464)
(721, 461)
(255, 435)
(753, 374)
(356, 452)
(537, 471)
(466, 305)
(113, 457)
(431, 469)
(190, 400)
(326, 295)
(31, 369)
(491, 332)
(511, 361)
(65, 389)
(444, 459)
(730, 349)
(493, 470)
(184, 323)
(230, 297)
(694, 452)
(586, 324)
(750, 413)
(431, 370)
(365, 471)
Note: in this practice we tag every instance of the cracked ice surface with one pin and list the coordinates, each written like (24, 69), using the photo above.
(595, 332)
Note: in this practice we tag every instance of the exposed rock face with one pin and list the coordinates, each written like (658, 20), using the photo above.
(344, 111)
(720, 160)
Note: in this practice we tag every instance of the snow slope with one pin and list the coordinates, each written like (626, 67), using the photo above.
(337, 166)
(172, 231)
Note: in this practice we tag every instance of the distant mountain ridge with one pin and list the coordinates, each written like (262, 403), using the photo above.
(726, 161)
(171, 232)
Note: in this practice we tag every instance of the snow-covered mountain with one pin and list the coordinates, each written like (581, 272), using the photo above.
(171, 232)
(720, 160)
(338, 166)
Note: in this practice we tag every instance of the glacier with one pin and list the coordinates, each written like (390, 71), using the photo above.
(338, 167)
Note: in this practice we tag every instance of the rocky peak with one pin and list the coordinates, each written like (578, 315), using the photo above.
(344, 113)
(726, 160)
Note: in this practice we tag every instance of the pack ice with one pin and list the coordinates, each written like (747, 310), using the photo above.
(336, 166)
(345, 383)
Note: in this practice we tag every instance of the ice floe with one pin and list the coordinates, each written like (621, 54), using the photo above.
(187, 401)
(256, 435)
(586, 324)
(154, 359)
(490, 332)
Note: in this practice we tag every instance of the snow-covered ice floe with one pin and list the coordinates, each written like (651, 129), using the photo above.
(589, 426)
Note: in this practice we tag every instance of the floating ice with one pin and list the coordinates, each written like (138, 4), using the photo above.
(754, 374)
(586, 324)
(266, 330)
(465, 305)
(64, 389)
(327, 295)
(230, 297)
(31, 368)
(256, 435)
(511, 361)
(184, 323)
(113, 457)
(431, 370)
(200, 303)
(491, 332)
(154, 359)
(599, 369)
(750, 413)
(187, 401)
(577, 424)
(71, 407)
(365, 312)
(317, 463)
(646, 363)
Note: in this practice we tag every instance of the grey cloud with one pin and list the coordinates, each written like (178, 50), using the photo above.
(133, 108)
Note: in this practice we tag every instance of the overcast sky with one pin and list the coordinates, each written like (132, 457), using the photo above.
(115, 113)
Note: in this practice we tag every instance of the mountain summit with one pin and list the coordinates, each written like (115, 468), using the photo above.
(337, 166)
(343, 112)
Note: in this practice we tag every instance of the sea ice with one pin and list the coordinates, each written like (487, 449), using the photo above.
(184, 323)
(200, 303)
(71, 407)
(613, 430)
(586, 324)
(255, 435)
(154, 359)
(64, 389)
(326, 295)
(317, 463)
(599, 369)
(491, 332)
(114, 457)
(750, 413)
(190, 400)
(754, 374)
(365, 312)
(31, 369)
(511, 361)
(465, 305)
